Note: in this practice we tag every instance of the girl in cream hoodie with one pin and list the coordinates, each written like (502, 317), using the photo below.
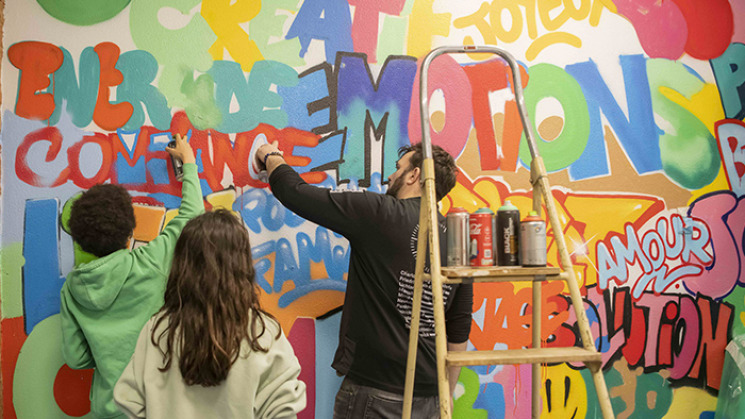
(211, 351)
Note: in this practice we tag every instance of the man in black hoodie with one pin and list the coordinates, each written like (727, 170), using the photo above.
(382, 232)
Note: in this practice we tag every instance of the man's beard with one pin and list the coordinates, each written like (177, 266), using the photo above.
(396, 186)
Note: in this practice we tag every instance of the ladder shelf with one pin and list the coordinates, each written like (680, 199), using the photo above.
(523, 356)
(458, 275)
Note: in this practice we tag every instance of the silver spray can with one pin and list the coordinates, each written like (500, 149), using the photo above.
(457, 237)
(176, 163)
(533, 240)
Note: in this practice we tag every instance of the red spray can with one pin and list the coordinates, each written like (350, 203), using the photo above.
(480, 225)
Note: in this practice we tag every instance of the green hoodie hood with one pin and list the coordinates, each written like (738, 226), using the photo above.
(96, 284)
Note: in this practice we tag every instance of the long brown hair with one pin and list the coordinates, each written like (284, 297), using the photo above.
(211, 300)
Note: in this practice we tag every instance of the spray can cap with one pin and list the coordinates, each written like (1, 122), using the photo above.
(533, 216)
(507, 206)
(457, 210)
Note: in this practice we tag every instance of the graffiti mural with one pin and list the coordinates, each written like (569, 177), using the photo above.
(638, 106)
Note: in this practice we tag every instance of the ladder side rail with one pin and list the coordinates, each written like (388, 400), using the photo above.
(576, 297)
(540, 180)
(566, 261)
(438, 301)
(536, 405)
(429, 204)
(416, 307)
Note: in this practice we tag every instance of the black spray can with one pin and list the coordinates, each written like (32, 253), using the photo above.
(507, 236)
(178, 165)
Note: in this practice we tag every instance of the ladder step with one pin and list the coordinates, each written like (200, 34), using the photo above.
(457, 275)
(523, 356)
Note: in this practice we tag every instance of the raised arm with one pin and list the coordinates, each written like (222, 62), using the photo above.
(160, 249)
(345, 212)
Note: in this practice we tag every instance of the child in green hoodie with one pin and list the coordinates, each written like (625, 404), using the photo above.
(105, 302)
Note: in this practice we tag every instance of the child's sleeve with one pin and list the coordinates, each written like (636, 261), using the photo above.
(75, 349)
(160, 250)
(129, 391)
(281, 394)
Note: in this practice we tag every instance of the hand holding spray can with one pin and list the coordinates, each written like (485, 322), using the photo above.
(507, 234)
(254, 168)
(176, 163)
(533, 240)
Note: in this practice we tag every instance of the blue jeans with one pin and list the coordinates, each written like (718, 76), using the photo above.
(355, 401)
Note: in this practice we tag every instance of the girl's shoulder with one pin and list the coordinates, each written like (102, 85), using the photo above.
(272, 333)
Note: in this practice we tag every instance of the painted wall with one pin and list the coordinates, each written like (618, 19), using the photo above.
(638, 104)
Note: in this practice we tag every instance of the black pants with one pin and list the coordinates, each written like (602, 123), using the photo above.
(355, 401)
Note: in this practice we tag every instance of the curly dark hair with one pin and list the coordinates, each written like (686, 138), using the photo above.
(211, 303)
(102, 219)
(445, 168)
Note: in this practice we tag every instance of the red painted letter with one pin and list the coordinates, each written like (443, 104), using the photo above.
(107, 115)
(36, 60)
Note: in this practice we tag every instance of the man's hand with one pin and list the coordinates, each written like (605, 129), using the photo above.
(182, 150)
(270, 150)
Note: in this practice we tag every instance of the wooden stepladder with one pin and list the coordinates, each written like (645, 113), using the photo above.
(428, 238)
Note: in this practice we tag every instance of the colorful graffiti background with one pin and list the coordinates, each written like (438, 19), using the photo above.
(639, 106)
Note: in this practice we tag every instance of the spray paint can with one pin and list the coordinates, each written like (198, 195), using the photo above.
(480, 225)
(457, 237)
(533, 240)
(253, 170)
(507, 235)
(176, 163)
